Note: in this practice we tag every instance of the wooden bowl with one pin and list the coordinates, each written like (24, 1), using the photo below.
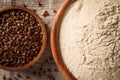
(55, 40)
(44, 39)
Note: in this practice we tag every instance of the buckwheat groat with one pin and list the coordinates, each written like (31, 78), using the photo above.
(20, 38)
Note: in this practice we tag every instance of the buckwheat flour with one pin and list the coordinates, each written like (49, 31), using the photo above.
(90, 39)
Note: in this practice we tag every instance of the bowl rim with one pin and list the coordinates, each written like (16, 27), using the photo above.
(44, 39)
(54, 40)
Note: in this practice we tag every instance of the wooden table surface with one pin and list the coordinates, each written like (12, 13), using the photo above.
(45, 68)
